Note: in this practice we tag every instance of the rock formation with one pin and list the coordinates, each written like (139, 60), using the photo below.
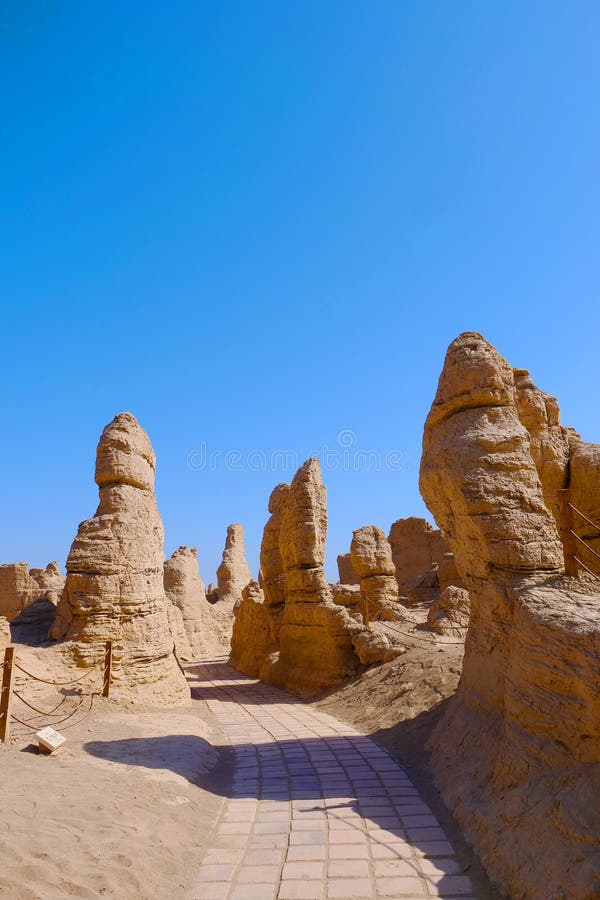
(301, 632)
(271, 576)
(425, 590)
(549, 440)
(416, 546)
(350, 597)
(449, 615)
(233, 574)
(315, 638)
(50, 583)
(563, 461)
(15, 589)
(199, 627)
(212, 592)
(447, 573)
(185, 590)
(372, 561)
(526, 715)
(304, 634)
(251, 641)
(374, 646)
(114, 588)
(423, 561)
(183, 647)
(346, 569)
(21, 586)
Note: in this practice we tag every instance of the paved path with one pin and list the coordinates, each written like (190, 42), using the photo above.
(317, 810)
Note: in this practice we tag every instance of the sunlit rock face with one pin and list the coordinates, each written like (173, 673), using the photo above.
(185, 590)
(315, 637)
(114, 587)
(297, 633)
(372, 561)
(526, 716)
(233, 574)
(346, 572)
(21, 586)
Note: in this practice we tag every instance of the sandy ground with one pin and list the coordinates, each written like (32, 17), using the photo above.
(123, 810)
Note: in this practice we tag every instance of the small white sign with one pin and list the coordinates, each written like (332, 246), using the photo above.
(49, 739)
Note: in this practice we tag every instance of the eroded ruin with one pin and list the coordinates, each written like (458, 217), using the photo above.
(114, 586)
(526, 715)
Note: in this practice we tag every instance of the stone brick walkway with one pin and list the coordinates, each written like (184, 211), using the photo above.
(317, 810)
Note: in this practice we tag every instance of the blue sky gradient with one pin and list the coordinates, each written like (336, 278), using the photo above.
(259, 225)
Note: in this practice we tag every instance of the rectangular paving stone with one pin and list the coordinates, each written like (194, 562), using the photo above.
(264, 857)
(450, 885)
(345, 824)
(347, 836)
(349, 868)
(434, 848)
(401, 887)
(278, 827)
(420, 821)
(373, 803)
(425, 834)
(400, 850)
(308, 852)
(348, 851)
(307, 837)
(301, 890)
(375, 813)
(304, 795)
(390, 822)
(303, 869)
(267, 841)
(308, 824)
(346, 888)
(387, 835)
(258, 874)
(280, 816)
(254, 892)
(390, 868)
(410, 808)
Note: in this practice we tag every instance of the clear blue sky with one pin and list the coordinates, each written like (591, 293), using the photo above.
(256, 225)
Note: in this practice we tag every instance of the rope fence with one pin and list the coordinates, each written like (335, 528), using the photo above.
(571, 540)
(9, 694)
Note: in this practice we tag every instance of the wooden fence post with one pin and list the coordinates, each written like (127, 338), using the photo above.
(8, 674)
(566, 533)
(107, 669)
